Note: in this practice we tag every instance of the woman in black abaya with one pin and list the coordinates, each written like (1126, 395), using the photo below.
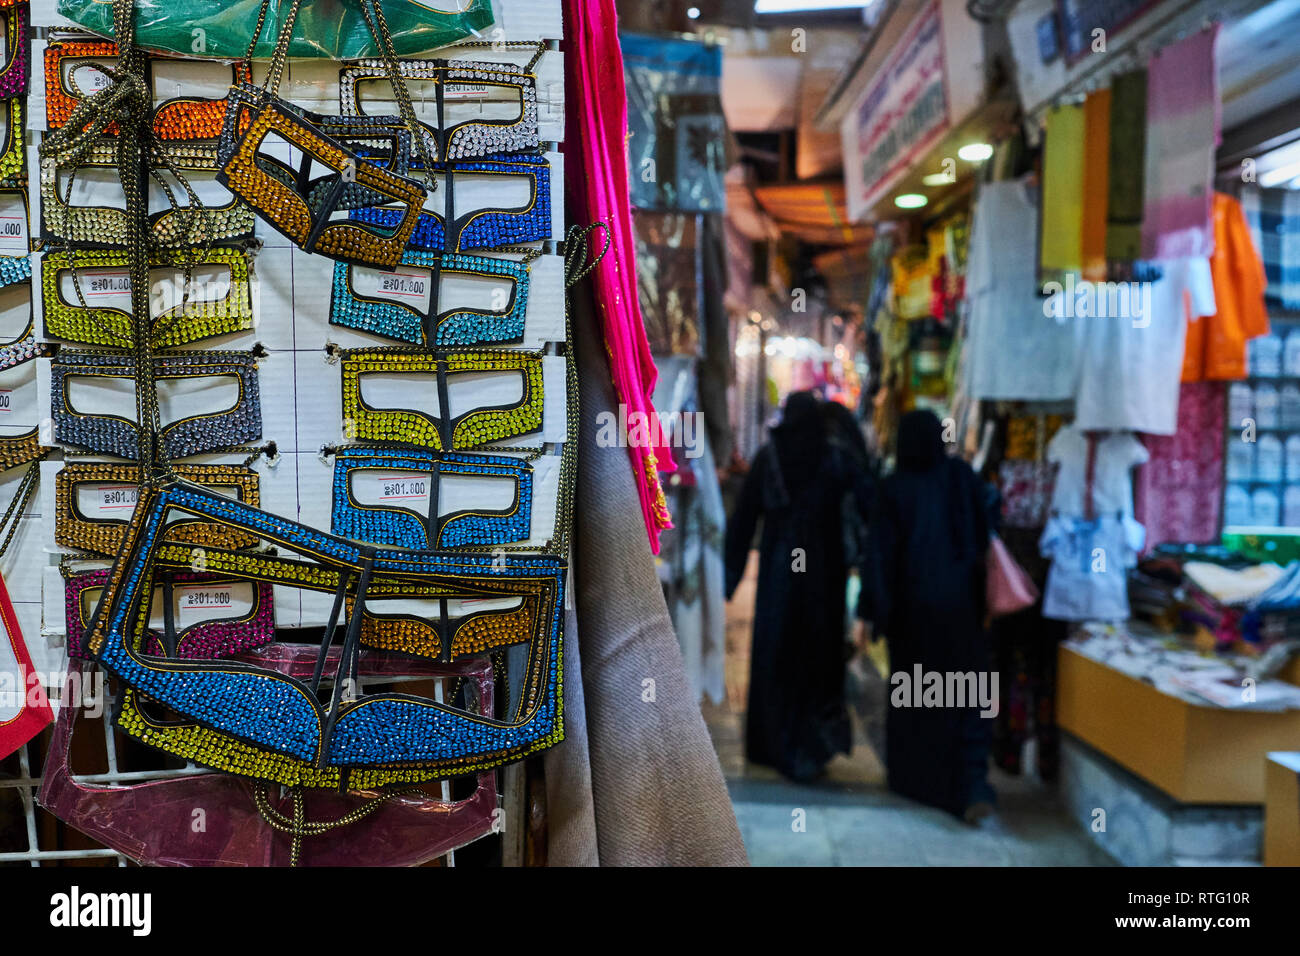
(923, 588)
(797, 484)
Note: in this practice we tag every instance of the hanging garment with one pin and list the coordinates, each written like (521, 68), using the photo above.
(1088, 580)
(24, 709)
(923, 587)
(796, 718)
(1179, 492)
(690, 561)
(1216, 345)
(1183, 119)
(1015, 350)
(1274, 217)
(1127, 142)
(1096, 183)
(1112, 472)
(597, 181)
(1061, 248)
(634, 783)
(1131, 363)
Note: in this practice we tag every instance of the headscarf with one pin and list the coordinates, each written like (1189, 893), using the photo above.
(920, 441)
(800, 439)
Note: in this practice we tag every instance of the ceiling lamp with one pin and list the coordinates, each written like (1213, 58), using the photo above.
(975, 152)
(910, 201)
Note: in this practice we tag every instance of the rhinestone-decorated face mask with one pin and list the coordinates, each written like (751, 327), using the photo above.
(509, 88)
(87, 298)
(192, 616)
(190, 435)
(277, 726)
(72, 73)
(405, 303)
(255, 166)
(13, 149)
(13, 72)
(93, 501)
(409, 498)
(486, 228)
(454, 428)
(68, 223)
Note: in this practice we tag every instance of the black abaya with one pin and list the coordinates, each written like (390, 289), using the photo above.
(924, 589)
(796, 718)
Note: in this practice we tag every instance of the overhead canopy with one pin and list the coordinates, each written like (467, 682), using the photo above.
(812, 212)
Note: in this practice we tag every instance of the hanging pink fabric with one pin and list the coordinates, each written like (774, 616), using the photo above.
(24, 709)
(1183, 131)
(595, 160)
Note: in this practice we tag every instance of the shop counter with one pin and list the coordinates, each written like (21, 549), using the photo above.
(1199, 754)
(1282, 810)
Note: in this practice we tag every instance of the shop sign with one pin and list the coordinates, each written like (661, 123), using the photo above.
(902, 114)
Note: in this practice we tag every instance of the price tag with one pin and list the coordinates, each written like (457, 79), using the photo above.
(101, 288)
(87, 79)
(108, 501)
(13, 231)
(6, 401)
(407, 285)
(402, 489)
(203, 603)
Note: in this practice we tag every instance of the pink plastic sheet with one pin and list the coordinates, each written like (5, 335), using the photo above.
(211, 819)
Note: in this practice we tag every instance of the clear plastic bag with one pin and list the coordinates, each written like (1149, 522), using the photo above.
(324, 28)
(212, 819)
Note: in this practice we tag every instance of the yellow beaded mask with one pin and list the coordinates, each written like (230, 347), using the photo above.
(449, 430)
(87, 297)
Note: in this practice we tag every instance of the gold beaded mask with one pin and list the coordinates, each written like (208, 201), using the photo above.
(400, 618)
(68, 223)
(455, 427)
(303, 208)
(281, 716)
(94, 500)
(87, 298)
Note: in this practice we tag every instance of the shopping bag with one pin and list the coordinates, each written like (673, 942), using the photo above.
(1009, 588)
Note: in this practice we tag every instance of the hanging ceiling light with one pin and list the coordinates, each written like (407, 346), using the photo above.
(910, 201)
(975, 152)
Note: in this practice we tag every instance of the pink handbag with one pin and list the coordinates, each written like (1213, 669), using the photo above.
(1008, 588)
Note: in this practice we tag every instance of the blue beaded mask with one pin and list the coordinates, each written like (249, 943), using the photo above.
(196, 435)
(483, 228)
(283, 714)
(403, 509)
(416, 317)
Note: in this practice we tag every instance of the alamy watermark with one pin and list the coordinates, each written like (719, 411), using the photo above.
(626, 429)
(1083, 299)
(961, 689)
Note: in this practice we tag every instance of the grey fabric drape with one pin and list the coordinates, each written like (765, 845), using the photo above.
(636, 781)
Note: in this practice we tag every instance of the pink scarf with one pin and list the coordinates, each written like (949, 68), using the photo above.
(596, 164)
(1183, 120)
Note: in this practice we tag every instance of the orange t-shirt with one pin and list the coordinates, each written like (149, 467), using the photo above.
(1216, 344)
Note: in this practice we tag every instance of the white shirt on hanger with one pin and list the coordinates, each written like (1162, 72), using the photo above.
(1112, 483)
(1131, 364)
(1015, 351)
